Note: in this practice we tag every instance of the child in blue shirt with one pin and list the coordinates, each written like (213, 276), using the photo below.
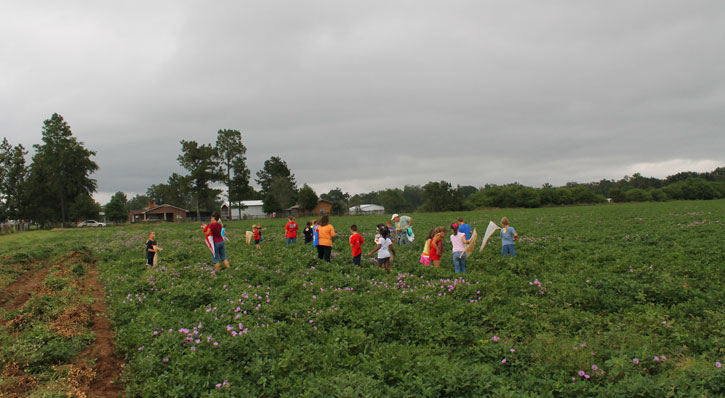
(508, 234)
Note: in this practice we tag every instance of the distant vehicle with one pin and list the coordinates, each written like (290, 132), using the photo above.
(91, 223)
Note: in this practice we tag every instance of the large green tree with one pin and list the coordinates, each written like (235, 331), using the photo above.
(138, 202)
(176, 191)
(336, 195)
(270, 204)
(277, 179)
(12, 176)
(283, 190)
(203, 167)
(393, 200)
(274, 167)
(116, 209)
(59, 175)
(440, 196)
(233, 163)
(307, 198)
(83, 207)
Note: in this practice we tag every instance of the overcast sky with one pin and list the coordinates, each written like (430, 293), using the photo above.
(367, 95)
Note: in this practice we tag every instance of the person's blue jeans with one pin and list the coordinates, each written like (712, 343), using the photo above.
(459, 262)
(220, 254)
(508, 249)
(292, 241)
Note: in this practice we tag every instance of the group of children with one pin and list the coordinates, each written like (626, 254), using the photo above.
(460, 237)
(320, 233)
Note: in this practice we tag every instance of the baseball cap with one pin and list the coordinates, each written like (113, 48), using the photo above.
(394, 215)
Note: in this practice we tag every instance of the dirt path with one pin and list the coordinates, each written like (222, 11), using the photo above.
(17, 293)
(108, 365)
(101, 380)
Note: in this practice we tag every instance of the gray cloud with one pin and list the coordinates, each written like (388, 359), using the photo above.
(375, 94)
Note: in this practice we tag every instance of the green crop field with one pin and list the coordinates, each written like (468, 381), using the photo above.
(611, 300)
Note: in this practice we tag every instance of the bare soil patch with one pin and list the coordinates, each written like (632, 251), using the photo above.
(108, 365)
(96, 370)
(17, 293)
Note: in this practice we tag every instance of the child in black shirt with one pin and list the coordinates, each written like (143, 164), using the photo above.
(152, 249)
(308, 232)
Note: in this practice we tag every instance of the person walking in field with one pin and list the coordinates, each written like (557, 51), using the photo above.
(325, 232)
(290, 230)
(356, 242)
(257, 230)
(508, 234)
(152, 249)
(307, 232)
(215, 230)
(464, 228)
(315, 233)
(425, 256)
(403, 230)
(458, 242)
(436, 246)
(378, 232)
(384, 250)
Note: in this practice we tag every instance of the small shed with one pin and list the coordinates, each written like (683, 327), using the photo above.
(164, 212)
(323, 207)
(252, 209)
(294, 211)
(367, 209)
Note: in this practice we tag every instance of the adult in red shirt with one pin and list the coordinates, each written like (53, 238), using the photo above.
(356, 241)
(291, 231)
(215, 230)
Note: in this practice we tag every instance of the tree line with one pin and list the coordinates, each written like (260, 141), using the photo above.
(56, 188)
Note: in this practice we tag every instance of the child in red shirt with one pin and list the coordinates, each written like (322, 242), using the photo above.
(356, 241)
(291, 231)
(257, 229)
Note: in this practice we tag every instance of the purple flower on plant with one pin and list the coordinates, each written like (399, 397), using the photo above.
(193, 348)
(141, 348)
(656, 358)
(165, 359)
(594, 367)
(587, 377)
(495, 338)
(503, 360)
(582, 373)
(636, 361)
(718, 365)
(512, 350)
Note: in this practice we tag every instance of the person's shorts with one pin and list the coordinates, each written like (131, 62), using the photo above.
(508, 249)
(425, 260)
(220, 253)
(256, 241)
(383, 260)
(356, 259)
